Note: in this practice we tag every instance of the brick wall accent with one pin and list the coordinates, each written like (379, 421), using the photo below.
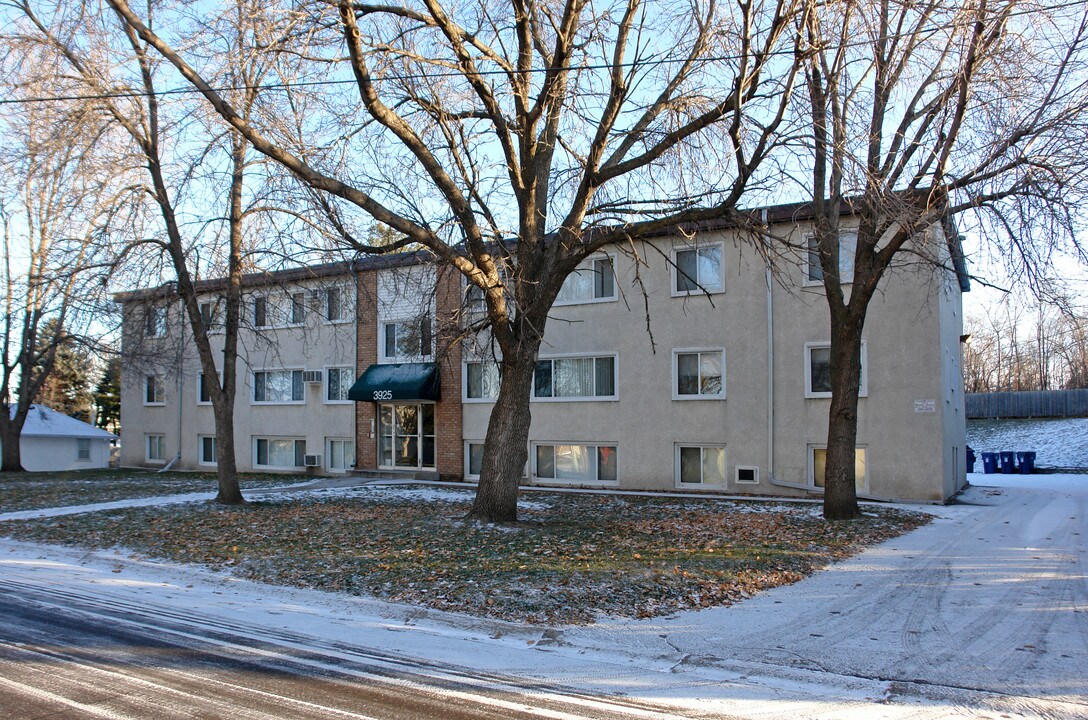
(449, 439)
(366, 354)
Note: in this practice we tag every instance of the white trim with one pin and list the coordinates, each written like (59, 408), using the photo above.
(200, 450)
(614, 397)
(347, 309)
(809, 346)
(465, 362)
(755, 475)
(383, 358)
(468, 461)
(808, 282)
(677, 447)
(325, 385)
(328, 454)
(614, 297)
(161, 386)
(199, 375)
(253, 386)
(81, 443)
(676, 373)
(147, 448)
(810, 467)
(673, 270)
(272, 308)
(292, 438)
(574, 481)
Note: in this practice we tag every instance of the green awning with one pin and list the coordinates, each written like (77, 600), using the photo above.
(399, 381)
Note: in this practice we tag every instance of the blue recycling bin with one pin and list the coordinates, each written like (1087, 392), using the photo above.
(1026, 461)
(1008, 462)
(970, 459)
(989, 463)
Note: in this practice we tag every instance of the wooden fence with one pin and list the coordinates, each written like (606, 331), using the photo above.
(1028, 404)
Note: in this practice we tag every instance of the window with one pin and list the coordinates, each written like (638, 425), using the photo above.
(154, 390)
(83, 449)
(204, 395)
(208, 316)
(817, 463)
(338, 382)
(591, 463)
(298, 308)
(156, 448)
(700, 465)
(206, 446)
(698, 270)
(474, 299)
(156, 321)
(699, 374)
(406, 339)
(341, 454)
(334, 307)
(593, 280)
(279, 452)
(576, 377)
(260, 312)
(278, 386)
(818, 370)
(281, 310)
(814, 273)
(481, 380)
(474, 459)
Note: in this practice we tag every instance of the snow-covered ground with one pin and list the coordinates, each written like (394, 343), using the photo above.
(983, 613)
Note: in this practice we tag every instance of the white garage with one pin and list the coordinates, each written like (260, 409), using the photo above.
(52, 441)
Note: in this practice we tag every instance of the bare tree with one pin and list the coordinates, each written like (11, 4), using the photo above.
(49, 231)
(564, 125)
(926, 112)
(119, 78)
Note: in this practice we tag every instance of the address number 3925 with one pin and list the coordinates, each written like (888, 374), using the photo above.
(383, 394)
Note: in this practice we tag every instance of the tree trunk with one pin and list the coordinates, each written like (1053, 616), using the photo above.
(226, 466)
(507, 441)
(840, 492)
(10, 430)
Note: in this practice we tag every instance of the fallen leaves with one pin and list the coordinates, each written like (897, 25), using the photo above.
(571, 558)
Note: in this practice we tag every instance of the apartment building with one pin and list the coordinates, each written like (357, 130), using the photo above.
(695, 367)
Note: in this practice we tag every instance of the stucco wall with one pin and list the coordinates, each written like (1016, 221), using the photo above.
(906, 450)
(316, 345)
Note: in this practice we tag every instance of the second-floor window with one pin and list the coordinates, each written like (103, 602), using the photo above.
(260, 312)
(338, 383)
(698, 270)
(154, 390)
(334, 306)
(278, 386)
(594, 280)
(406, 339)
(481, 380)
(576, 377)
(700, 374)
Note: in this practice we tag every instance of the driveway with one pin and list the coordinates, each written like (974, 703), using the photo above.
(988, 604)
(983, 613)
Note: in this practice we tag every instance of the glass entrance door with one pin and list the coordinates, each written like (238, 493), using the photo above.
(406, 436)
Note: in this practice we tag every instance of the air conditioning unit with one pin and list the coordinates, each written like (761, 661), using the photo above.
(313, 376)
(311, 460)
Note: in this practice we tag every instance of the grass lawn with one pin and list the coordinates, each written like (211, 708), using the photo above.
(572, 556)
(34, 491)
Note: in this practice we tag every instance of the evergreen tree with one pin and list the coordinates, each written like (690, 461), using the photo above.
(107, 397)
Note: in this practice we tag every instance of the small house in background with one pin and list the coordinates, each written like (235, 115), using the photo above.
(52, 441)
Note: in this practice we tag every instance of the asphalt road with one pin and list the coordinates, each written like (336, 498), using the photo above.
(65, 656)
